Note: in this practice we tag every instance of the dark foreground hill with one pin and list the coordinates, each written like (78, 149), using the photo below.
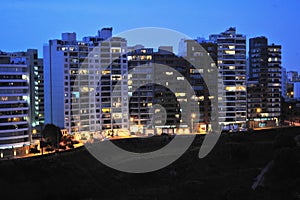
(228, 172)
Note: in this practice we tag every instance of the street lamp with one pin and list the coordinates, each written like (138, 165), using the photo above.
(131, 124)
(193, 116)
(291, 114)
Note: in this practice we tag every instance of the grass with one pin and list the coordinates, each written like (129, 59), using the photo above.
(226, 173)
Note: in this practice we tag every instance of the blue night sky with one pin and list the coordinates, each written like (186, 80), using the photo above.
(30, 24)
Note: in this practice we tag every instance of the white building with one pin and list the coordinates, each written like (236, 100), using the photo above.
(232, 66)
(86, 83)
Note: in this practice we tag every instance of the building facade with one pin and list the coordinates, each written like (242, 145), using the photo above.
(86, 83)
(292, 76)
(284, 83)
(15, 112)
(231, 62)
(159, 83)
(264, 84)
(36, 82)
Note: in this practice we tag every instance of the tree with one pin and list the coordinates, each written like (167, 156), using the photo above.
(52, 135)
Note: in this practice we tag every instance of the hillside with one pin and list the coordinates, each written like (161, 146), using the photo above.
(226, 173)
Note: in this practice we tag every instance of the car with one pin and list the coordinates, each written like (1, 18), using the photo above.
(232, 131)
(243, 129)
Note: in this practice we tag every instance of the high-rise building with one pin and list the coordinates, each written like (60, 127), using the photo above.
(297, 90)
(158, 81)
(292, 76)
(231, 62)
(264, 84)
(14, 101)
(284, 83)
(203, 76)
(152, 104)
(36, 83)
(86, 83)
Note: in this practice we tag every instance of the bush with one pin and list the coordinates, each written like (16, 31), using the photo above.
(284, 140)
(285, 163)
(52, 134)
(239, 152)
(239, 137)
(34, 150)
(49, 149)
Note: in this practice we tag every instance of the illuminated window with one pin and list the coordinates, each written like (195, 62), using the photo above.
(24, 77)
(116, 78)
(106, 110)
(104, 72)
(4, 98)
(115, 50)
(84, 89)
(179, 94)
(73, 72)
(117, 115)
(193, 71)
(83, 71)
(143, 57)
(235, 88)
(117, 105)
(230, 52)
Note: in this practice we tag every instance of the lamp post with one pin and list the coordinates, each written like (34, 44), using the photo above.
(131, 124)
(291, 113)
(41, 139)
(193, 116)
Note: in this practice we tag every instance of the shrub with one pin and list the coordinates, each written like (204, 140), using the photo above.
(285, 162)
(239, 152)
(284, 140)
